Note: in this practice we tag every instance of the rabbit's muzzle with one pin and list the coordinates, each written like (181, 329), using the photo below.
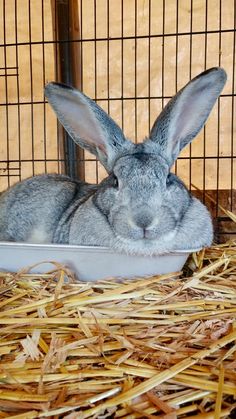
(143, 220)
(140, 225)
(143, 224)
(148, 223)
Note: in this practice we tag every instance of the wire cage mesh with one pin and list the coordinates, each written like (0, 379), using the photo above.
(131, 56)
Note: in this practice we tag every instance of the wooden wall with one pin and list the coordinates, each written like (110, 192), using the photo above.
(139, 69)
(27, 128)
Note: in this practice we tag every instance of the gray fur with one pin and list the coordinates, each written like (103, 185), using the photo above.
(149, 211)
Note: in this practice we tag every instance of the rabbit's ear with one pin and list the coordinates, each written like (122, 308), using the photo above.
(186, 113)
(87, 123)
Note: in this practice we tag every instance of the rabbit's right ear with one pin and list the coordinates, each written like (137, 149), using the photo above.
(186, 113)
(87, 123)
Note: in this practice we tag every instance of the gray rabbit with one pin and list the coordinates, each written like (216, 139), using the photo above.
(140, 208)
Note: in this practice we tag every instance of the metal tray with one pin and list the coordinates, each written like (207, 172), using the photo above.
(89, 263)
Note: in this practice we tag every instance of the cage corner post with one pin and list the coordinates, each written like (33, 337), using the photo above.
(68, 70)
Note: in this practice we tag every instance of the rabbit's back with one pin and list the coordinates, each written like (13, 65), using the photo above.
(31, 209)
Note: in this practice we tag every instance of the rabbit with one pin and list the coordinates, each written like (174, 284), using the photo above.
(140, 207)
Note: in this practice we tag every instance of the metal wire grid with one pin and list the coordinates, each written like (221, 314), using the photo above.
(104, 41)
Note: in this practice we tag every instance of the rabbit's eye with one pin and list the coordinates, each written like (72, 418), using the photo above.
(115, 182)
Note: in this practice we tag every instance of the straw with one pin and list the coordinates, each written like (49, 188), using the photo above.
(162, 346)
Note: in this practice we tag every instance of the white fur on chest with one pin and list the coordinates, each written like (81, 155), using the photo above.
(39, 235)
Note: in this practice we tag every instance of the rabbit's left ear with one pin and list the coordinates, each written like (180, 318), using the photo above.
(87, 123)
(186, 113)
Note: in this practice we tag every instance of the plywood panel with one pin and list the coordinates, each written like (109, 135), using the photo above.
(112, 70)
(26, 65)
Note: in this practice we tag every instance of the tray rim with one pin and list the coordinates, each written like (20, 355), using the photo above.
(88, 249)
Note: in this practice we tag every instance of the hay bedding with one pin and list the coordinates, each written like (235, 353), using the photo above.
(158, 347)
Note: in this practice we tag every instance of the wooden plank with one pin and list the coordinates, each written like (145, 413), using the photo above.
(68, 60)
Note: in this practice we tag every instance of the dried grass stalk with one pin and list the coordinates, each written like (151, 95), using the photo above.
(156, 347)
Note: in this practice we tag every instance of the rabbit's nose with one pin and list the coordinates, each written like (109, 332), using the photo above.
(143, 221)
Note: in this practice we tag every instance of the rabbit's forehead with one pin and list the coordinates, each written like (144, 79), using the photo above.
(141, 164)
